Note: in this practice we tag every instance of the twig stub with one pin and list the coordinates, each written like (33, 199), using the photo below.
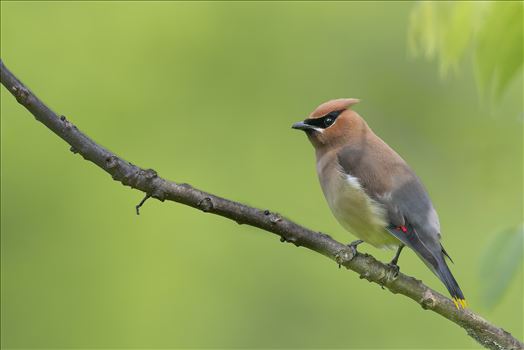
(139, 205)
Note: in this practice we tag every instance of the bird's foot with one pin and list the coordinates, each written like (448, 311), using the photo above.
(393, 264)
(346, 255)
(354, 244)
(353, 247)
(394, 268)
(391, 273)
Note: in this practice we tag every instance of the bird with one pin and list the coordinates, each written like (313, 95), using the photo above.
(372, 192)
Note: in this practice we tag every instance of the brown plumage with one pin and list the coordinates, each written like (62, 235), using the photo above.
(371, 190)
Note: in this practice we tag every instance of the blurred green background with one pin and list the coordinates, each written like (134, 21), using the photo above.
(205, 93)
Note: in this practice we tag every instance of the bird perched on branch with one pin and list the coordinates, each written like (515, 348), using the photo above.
(372, 191)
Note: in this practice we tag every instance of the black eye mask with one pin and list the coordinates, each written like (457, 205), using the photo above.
(325, 121)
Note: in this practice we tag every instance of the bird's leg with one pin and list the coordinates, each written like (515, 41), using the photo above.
(393, 263)
(355, 243)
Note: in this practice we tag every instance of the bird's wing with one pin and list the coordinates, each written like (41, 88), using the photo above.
(387, 179)
(412, 219)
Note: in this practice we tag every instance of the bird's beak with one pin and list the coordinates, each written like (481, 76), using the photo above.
(302, 126)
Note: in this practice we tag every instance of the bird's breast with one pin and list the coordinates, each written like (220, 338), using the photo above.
(352, 207)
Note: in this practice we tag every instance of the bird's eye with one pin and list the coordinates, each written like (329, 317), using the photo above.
(328, 121)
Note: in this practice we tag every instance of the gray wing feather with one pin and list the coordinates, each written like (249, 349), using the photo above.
(386, 178)
(391, 182)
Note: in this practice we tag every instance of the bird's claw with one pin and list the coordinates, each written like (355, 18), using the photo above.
(345, 255)
(394, 268)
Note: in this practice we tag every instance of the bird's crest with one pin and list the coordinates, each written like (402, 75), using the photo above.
(333, 105)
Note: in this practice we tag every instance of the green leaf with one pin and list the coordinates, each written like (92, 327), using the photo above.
(498, 55)
(442, 28)
(422, 33)
(456, 34)
(450, 29)
(499, 263)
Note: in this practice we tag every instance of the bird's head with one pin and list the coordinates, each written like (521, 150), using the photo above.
(330, 123)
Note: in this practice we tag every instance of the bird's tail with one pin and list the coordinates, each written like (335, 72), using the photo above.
(444, 274)
(433, 257)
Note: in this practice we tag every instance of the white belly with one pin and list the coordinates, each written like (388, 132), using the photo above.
(355, 210)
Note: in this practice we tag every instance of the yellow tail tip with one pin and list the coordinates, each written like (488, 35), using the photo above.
(460, 303)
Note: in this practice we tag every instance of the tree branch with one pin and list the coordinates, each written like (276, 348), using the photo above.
(148, 181)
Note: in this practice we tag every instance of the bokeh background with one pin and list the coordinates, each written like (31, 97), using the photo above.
(205, 93)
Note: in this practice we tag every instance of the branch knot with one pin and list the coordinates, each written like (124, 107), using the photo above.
(206, 204)
(428, 300)
(111, 161)
(149, 174)
(21, 94)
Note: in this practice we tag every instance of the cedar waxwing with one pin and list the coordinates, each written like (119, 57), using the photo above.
(372, 191)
